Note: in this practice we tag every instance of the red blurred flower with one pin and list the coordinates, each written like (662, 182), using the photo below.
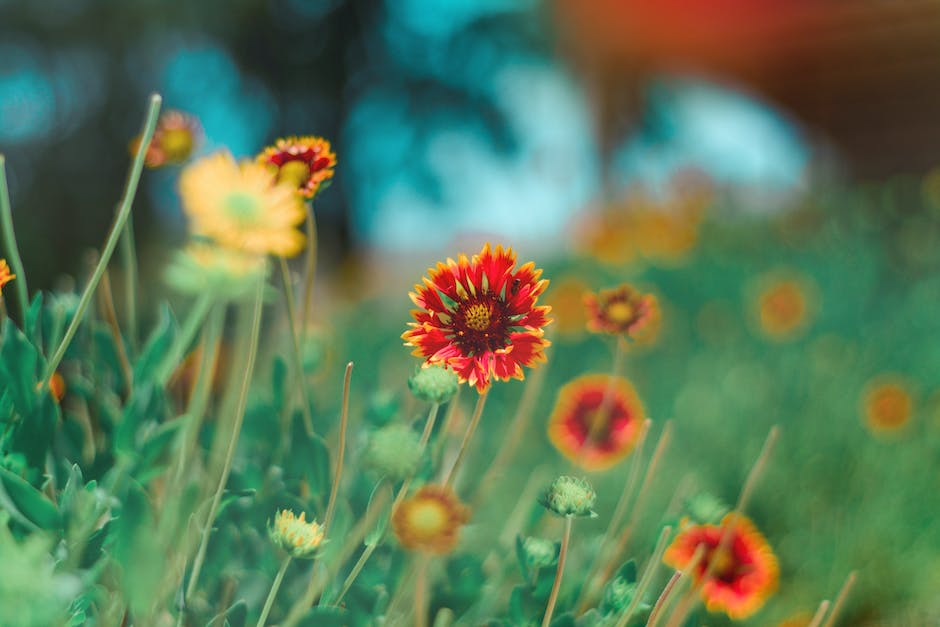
(593, 434)
(174, 140)
(478, 317)
(306, 161)
(743, 570)
(623, 311)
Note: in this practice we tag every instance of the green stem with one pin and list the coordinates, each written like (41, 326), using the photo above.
(9, 242)
(190, 328)
(295, 344)
(129, 253)
(471, 428)
(310, 269)
(273, 593)
(421, 592)
(556, 586)
(124, 210)
(233, 440)
(647, 577)
(338, 473)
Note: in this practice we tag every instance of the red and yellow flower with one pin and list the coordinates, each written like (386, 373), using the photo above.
(5, 274)
(625, 311)
(430, 520)
(305, 162)
(742, 571)
(887, 405)
(597, 421)
(175, 138)
(479, 317)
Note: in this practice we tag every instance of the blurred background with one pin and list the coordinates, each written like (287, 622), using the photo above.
(467, 118)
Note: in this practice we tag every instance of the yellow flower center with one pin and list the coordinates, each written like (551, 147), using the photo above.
(177, 143)
(620, 311)
(295, 172)
(242, 206)
(722, 562)
(427, 518)
(477, 317)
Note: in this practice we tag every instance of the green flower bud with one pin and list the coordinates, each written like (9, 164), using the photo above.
(394, 451)
(204, 268)
(618, 594)
(434, 384)
(570, 496)
(540, 553)
(705, 508)
(294, 535)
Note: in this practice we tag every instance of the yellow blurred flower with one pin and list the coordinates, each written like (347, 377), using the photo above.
(566, 298)
(5, 275)
(240, 207)
(887, 405)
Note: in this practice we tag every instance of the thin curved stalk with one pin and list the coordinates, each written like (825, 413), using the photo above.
(295, 345)
(310, 269)
(241, 406)
(421, 592)
(471, 428)
(123, 212)
(840, 600)
(338, 473)
(129, 253)
(269, 602)
(556, 586)
(820, 614)
(9, 242)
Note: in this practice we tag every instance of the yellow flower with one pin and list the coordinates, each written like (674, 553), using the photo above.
(295, 535)
(241, 207)
(204, 268)
(5, 275)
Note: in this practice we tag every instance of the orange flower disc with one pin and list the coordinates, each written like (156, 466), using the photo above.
(479, 317)
(623, 310)
(744, 572)
(430, 520)
(587, 432)
(306, 161)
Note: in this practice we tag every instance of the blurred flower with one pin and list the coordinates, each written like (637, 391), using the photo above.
(618, 594)
(570, 496)
(887, 405)
(433, 384)
(5, 275)
(237, 205)
(303, 162)
(57, 387)
(783, 306)
(430, 520)
(204, 268)
(623, 311)
(540, 553)
(478, 316)
(743, 572)
(394, 450)
(294, 535)
(596, 421)
(174, 139)
(566, 298)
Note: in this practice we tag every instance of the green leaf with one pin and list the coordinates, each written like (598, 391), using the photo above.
(157, 346)
(325, 617)
(628, 571)
(521, 557)
(142, 560)
(24, 502)
(381, 524)
(33, 324)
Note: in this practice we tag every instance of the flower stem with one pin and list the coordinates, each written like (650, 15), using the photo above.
(648, 572)
(338, 473)
(663, 597)
(295, 345)
(421, 592)
(273, 593)
(556, 586)
(840, 600)
(129, 253)
(399, 497)
(188, 331)
(310, 269)
(471, 428)
(9, 242)
(123, 212)
(820, 614)
(241, 406)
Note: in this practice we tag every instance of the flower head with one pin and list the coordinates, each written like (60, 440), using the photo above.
(176, 136)
(430, 520)
(5, 275)
(743, 570)
(294, 535)
(570, 496)
(623, 311)
(478, 317)
(539, 552)
(887, 405)
(783, 306)
(596, 421)
(204, 268)
(394, 450)
(303, 162)
(433, 384)
(237, 205)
